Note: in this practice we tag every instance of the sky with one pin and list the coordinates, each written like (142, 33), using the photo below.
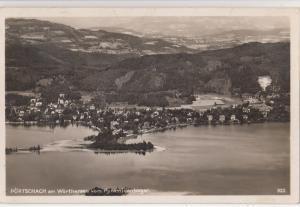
(179, 26)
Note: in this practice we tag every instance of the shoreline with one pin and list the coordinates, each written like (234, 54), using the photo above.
(82, 123)
(149, 130)
(123, 140)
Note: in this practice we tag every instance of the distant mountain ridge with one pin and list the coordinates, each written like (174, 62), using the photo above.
(39, 53)
(37, 32)
(215, 39)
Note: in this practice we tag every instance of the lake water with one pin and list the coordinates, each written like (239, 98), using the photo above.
(231, 160)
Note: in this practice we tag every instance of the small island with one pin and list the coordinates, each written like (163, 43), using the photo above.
(29, 149)
(110, 140)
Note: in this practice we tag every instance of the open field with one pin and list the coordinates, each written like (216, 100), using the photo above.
(206, 101)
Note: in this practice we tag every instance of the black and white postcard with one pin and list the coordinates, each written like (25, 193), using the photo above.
(149, 105)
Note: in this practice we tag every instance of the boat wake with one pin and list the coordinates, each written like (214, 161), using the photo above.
(76, 145)
(159, 149)
(72, 145)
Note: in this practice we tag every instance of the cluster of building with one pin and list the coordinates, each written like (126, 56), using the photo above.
(258, 101)
(134, 120)
(38, 110)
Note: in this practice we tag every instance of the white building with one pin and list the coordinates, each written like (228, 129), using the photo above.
(38, 104)
(233, 117)
(222, 118)
(209, 117)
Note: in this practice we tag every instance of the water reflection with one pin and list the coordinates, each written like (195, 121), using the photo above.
(50, 125)
(123, 152)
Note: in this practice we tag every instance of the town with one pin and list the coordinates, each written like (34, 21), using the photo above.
(133, 120)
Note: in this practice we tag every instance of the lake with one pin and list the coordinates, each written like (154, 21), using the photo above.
(206, 160)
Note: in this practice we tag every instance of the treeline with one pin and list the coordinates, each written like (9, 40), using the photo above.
(51, 93)
(150, 99)
(143, 146)
(107, 140)
(16, 99)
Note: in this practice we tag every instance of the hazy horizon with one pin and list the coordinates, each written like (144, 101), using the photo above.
(174, 26)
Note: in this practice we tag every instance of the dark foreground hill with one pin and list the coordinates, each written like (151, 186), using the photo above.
(218, 70)
(221, 71)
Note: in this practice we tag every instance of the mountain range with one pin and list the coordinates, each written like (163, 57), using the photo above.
(41, 53)
(215, 39)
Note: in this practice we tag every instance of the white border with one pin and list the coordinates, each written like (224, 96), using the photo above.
(293, 14)
(151, 3)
